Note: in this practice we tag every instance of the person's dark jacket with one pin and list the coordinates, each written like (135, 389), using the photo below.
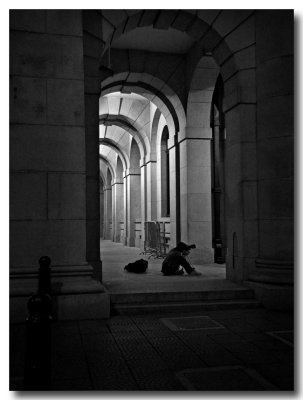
(173, 260)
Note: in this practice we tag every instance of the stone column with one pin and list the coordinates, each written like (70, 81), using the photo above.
(117, 188)
(151, 189)
(174, 172)
(108, 212)
(123, 237)
(113, 223)
(195, 198)
(275, 156)
(143, 204)
(133, 177)
(50, 173)
(102, 213)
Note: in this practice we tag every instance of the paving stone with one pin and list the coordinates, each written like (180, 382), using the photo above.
(119, 378)
(69, 366)
(237, 325)
(224, 378)
(265, 341)
(175, 353)
(225, 337)
(280, 374)
(286, 337)
(193, 336)
(140, 354)
(213, 354)
(250, 354)
(157, 333)
(287, 356)
(93, 327)
(123, 328)
(71, 384)
(164, 381)
(191, 323)
(145, 362)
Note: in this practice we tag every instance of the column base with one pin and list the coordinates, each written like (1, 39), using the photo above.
(130, 242)
(273, 296)
(117, 238)
(75, 294)
(273, 283)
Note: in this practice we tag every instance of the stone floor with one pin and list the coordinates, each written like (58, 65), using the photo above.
(115, 256)
(242, 350)
(250, 350)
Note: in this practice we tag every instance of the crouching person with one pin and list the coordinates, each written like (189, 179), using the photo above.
(175, 261)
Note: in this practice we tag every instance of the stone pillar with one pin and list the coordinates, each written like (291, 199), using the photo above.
(143, 205)
(195, 198)
(123, 238)
(108, 212)
(133, 177)
(54, 199)
(174, 172)
(151, 190)
(102, 213)
(113, 224)
(275, 131)
(117, 188)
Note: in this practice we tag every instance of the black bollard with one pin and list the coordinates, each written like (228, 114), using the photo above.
(38, 343)
(44, 285)
(37, 375)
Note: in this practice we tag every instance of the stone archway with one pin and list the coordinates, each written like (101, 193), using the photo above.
(170, 106)
(231, 39)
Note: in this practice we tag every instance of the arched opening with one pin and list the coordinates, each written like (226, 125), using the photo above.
(134, 197)
(108, 206)
(165, 186)
(188, 85)
(102, 213)
(118, 202)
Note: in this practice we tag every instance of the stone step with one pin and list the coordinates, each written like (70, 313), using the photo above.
(155, 302)
(185, 296)
(176, 307)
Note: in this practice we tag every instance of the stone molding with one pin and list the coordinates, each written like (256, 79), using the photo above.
(274, 264)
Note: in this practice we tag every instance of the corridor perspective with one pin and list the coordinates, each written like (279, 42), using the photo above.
(132, 131)
(152, 291)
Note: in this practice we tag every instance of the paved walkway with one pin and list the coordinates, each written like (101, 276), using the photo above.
(217, 350)
(243, 350)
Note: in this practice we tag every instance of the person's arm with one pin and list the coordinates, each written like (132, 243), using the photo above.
(185, 264)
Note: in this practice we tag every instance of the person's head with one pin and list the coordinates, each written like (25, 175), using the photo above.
(183, 248)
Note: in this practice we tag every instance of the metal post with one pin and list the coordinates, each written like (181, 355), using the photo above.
(44, 285)
(37, 374)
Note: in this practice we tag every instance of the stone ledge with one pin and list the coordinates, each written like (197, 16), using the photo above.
(273, 296)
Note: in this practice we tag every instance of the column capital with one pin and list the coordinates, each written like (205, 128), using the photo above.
(117, 182)
(151, 157)
(171, 142)
(132, 171)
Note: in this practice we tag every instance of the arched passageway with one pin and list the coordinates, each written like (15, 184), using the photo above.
(202, 93)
